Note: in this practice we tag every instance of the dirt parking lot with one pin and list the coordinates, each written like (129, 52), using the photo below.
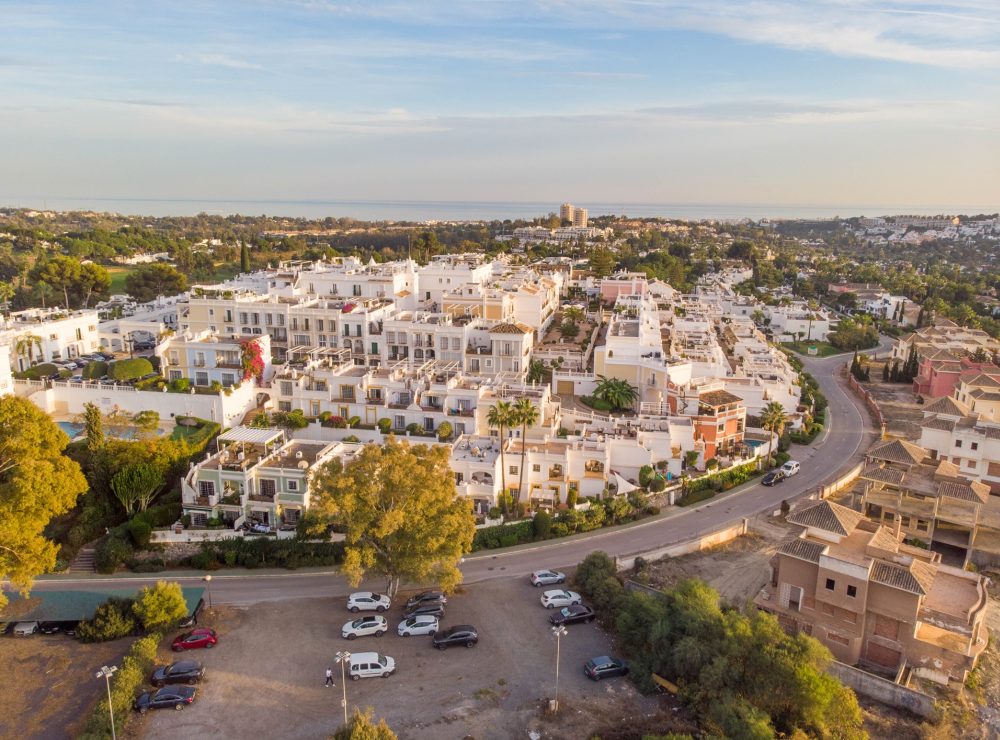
(47, 684)
(265, 678)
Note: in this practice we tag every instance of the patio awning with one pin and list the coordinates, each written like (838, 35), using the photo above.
(623, 485)
(251, 435)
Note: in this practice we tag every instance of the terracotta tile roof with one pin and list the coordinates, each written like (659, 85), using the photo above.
(947, 405)
(976, 492)
(937, 422)
(803, 550)
(827, 516)
(990, 432)
(914, 579)
(898, 451)
(884, 539)
(985, 395)
(947, 469)
(510, 327)
(883, 475)
(718, 398)
(981, 379)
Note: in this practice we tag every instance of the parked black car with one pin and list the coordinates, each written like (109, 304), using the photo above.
(773, 478)
(53, 628)
(425, 597)
(460, 634)
(604, 667)
(172, 697)
(433, 608)
(183, 671)
(573, 614)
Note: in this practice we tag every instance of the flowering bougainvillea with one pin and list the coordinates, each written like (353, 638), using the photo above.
(252, 360)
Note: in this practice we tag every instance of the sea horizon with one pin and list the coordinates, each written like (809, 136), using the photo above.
(455, 210)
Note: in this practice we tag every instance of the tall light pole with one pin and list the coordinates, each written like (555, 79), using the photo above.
(558, 632)
(208, 587)
(106, 672)
(343, 657)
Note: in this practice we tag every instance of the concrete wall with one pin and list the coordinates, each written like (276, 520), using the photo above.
(70, 398)
(846, 480)
(883, 690)
(695, 544)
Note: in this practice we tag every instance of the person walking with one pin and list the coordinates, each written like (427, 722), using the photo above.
(329, 677)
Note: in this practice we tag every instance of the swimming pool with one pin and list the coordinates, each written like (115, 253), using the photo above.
(74, 430)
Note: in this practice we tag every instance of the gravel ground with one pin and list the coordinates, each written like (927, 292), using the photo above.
(47, 684)
(265, 678)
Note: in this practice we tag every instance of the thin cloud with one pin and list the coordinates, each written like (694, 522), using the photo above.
(611, 75)
(219, 60)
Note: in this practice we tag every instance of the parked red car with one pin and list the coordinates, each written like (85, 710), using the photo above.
(199, 638)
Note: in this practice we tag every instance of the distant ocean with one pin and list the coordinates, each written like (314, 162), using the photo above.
(451, 210)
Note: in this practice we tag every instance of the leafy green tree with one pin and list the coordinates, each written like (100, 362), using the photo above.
(536, 371)
(93, 425)
(401, 518)
(772, 419)
(149, 281)
(501, 416)
(94, 282)
(112, 619)
(37, 482)
(602, 261)
(59, 273)
(526, 414)
(569, 330)
(244, 257)
(574, 314)
(160, 607)
(136, 485)
(363, 727)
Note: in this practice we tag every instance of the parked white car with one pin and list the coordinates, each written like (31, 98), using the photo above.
(559, 597)
(424, 624)
(790, 468)
(363, 626)
(547, 578)
(367, 601)
(370, 665)
(23, 629)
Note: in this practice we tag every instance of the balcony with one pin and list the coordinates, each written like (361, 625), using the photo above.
(462, 412)
(375, 401)
(556, 472)
(261, 498)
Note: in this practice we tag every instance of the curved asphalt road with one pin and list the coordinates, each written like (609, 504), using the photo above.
(848, 433)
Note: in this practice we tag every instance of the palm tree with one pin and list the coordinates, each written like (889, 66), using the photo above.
(499, 416)
(813, 307)
(619, 394)
(25, 345)
(526, 414)
(536, 371)
(773, 420)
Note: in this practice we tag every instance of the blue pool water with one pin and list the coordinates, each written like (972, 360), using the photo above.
(74, 430)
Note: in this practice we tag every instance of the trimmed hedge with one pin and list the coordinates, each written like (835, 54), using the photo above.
(266, 552)
(45, 370)
(125, 684)
(130, 369)
(95, 370)
(733, 476)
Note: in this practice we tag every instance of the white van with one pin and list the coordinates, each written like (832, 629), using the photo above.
(369, 665)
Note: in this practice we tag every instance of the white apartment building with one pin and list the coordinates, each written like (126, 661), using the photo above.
(257, 475)
(49, 335)
(951, 432)
(207, 358)
(790, 323)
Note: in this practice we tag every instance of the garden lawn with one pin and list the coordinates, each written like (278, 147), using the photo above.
(118, 275)
(823, 349)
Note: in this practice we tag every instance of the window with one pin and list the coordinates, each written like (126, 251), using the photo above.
(293, 485)
(922, 525)
(958, 443)
(974, 445)
(286, 387)
(905, 521)
(970, 463)
(830, 584)
(228, 379)
(206, 488)
(267, 487)
(512, 470)
(284, 405)
(839, 639)
(852, 591)
(536, 468)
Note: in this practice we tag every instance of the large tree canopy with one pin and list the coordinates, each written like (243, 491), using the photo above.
(149, 281)
(37, 482)
(401, 517)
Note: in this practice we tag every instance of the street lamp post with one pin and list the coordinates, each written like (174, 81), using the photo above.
(343, 657)
(558, 632)
(106, 672)
(208, 587)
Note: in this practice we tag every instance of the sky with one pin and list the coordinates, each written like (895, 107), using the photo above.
(833, 102)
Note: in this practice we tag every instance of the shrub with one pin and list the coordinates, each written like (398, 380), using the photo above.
(645, 475)
(657, 484)
(385, 425)
(351, 438)
(324, 415)
(161, 606)
(204, 560)
(444, 430)
(112, 552)
(130, 369)
(140, 531)
(180, 385)
(216, 386)
(492, 537)
(112, 619)
(542, 524)
(354, 421)
(413, 428)
(95, 370)
(125, 684)
(572, 496)
(559, 530)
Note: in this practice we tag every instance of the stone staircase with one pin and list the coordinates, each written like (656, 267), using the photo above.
(84, 560)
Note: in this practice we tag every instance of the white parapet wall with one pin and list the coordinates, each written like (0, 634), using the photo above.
(70, 398)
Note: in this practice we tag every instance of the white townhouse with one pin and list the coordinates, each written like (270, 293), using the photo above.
(206, 358)
(49, 335)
